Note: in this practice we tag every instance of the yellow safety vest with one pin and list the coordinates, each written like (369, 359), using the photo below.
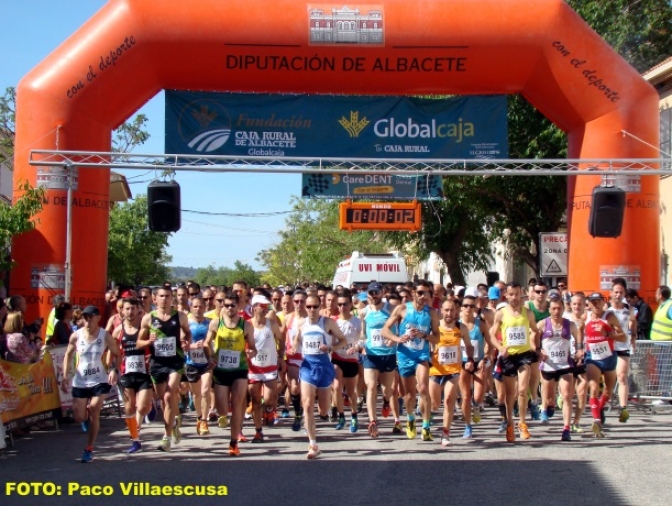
(661, 329)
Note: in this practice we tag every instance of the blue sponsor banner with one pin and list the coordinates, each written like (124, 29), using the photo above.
(323, 126)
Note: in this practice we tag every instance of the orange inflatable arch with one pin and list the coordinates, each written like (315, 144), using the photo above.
(131, 49)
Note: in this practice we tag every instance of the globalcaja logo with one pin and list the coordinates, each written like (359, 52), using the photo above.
(354, 125)
(204, 125)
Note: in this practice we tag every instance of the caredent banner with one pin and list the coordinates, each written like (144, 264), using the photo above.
(325, 126)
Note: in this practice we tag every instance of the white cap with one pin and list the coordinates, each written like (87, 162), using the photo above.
(472, 291)
(260, 299)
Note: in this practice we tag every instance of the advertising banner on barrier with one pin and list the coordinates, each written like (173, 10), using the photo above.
(370, 186)
(28, 393)
(325, 126)
(57, 355)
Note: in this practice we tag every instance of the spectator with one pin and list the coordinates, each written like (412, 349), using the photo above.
(18, 304)
(77, 318)
(3, 338)
(63, 327)
(644, 313)
(51, 319)
(20, 348)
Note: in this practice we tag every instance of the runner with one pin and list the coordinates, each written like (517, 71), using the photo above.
(317, 336)
(346, 362)
(295, 355)
(446, 363)
(517, 355)
(231, 340)
(472, 377)
(182, 296)
(627, 317)
(137, 385)
(379, 359)
(602, 329)
(418, 326)
(196, 370)
(160, 331)
(91, 383)
(263, 374)
(557, 363)
(287, 305)
(539, 307)
(578, 316)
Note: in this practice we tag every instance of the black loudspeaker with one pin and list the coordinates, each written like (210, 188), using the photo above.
(163, 206)
(491, 278)
(606, 212)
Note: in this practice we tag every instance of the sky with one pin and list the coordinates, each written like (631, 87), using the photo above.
(32, 29)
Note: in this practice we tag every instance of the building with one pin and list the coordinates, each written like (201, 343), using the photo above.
(660, 77)
(346, 26)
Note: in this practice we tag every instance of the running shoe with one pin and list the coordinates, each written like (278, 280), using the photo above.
(510, 433)
(313, 452)
(242, 438)
(490, 400)
(565, 435)
(258, 437)
(524, 431)
(544, 418)
(386, 410)
(411, 432)
(87, 456)
(285, 413)
(135, 447)
(212, 416)
(623, 415)
(269, 419)
(445, 441)
(468, 432)
(332, 415)
(397, 428)
(85, 425)
(234, 451)
(223, 422)
(296, 426)
(427, 435)
(151, 416)
(476, 416)
(177, 433)
(164, 445)
(341, 423)
(325, 418)
(502, 427)
(535, 413)
(551, 411)
(205, 430)
(354, 425)
(373, 429)
(597, 429)
(360, 404)
(576, 428)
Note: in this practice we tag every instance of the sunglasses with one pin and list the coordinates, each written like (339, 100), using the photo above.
(469, 305)
(374, 292)
(221, 301)
(229, 306)
(421, 292)
(562, 286)
(299, 301)
(343, 304)
(193, 294)
(312, 307)
(540, 291)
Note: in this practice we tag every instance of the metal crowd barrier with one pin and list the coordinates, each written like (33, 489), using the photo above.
(651, 374)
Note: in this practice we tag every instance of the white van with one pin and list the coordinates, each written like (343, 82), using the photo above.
(363, 268)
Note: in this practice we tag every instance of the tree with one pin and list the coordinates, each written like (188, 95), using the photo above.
(226, 276)
(18, 218)
(136, 256)
(311, 245)
(7, 128)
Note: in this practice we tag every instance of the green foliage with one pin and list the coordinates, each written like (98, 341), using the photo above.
(311, 245)
(7, 127)
(226, 276)
(18, 218)
(130, 134)
(136, 256)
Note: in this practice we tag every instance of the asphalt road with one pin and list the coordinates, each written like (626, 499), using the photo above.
(631, 466)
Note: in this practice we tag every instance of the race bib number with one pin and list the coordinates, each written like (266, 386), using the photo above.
(263, 359)
(474, 344)
(228, 359)
(377, 339)
(135, 364)
(312, 343)
(198, 356)
(165, 347)
(516, 336)
(599, 351)
(89, 372)
(447, 355)
(558, 356)
(415, 344)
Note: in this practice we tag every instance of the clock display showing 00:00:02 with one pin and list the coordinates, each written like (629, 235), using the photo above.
(380, 216)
